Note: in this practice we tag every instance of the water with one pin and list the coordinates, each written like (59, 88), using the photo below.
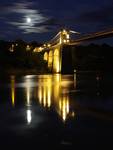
(67, 111)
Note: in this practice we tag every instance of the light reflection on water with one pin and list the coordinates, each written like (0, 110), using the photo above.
(29, 116)
(48, 90)
(13, 90)
(59, 92)
(54, 90)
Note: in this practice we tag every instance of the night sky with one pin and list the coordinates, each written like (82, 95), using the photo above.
(40, 20)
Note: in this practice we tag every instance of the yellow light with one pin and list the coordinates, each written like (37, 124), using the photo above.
(57, 80)
(67, 36)
(40, 49)
(46, 56)
(13, 97)
(40, 95)
(45, 92)
(64, 110)
(50, 59)
(49, 97)
(44, 96)
(44, 45)
(49, 45)
(67, 106)
(52, 90)
(13, 90)
(49, 91)
(64, 41)
(28, 48)
(67, 41)
(56, 62)
(64, 31)
(64, 107)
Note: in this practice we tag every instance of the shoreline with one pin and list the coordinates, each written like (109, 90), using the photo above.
(22, 71)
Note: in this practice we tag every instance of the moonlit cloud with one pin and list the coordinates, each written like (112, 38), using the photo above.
(24, 10)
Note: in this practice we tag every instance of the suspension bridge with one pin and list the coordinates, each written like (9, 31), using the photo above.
(54, 49)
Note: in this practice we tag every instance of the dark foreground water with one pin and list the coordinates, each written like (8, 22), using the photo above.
(57, 111)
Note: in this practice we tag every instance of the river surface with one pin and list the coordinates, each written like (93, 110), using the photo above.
(67, 111)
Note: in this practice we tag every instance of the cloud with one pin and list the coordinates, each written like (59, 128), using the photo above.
(18, 12)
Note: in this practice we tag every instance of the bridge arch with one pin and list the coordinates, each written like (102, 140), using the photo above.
(56, 62)
(46, 56)
(50, 59)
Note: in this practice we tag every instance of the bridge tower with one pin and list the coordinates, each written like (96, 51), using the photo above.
(53, 52)
(64, 37)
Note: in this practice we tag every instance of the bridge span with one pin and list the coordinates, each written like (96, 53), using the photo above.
(54, 50)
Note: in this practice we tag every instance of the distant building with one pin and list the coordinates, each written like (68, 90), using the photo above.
(37, 49)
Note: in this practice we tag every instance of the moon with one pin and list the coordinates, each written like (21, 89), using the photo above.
(28, 19)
